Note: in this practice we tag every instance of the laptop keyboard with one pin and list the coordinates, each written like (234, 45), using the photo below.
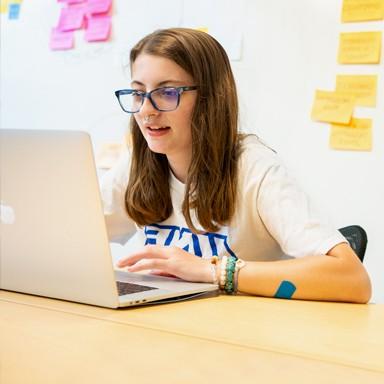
(127, 288)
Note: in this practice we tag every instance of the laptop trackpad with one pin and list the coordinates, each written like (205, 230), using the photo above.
(152, 282)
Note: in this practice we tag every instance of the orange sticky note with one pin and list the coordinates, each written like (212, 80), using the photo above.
(360, 48)
(332, 107)
(362, 10)
(356, 136)
(362, 87)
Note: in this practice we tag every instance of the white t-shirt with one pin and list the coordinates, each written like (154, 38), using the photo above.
(273, 220)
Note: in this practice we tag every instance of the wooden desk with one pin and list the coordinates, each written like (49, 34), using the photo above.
(224, 339)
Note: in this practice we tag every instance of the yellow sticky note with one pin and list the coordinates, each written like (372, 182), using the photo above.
(356, 136)
(332, 107)
(360, 48)
(362, 87)
(202, 29)
(362, 10)
(4, 6)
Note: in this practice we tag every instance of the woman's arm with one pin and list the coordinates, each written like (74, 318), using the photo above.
(337, 276)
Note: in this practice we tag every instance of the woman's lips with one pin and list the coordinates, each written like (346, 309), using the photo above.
(157, 131)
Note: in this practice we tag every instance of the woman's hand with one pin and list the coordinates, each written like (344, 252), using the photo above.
(169, 261)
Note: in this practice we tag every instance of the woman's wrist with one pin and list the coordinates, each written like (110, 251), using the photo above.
(224, 272)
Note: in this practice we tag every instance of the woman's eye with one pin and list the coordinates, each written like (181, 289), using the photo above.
(169, 92)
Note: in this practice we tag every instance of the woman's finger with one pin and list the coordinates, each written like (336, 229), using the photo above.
(145, 264)
(158, 272)
(148, 252)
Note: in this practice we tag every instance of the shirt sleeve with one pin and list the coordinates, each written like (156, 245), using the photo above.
(290, 217)
(113, 185)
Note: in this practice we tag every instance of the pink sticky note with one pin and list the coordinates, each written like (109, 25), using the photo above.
(71, 18)
(61, 40)
(98, 28)
(71, 1)
(98, 6)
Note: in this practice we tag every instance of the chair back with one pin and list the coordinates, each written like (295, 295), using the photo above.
(357, 238)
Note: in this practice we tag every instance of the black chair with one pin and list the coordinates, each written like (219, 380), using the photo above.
(357, 238)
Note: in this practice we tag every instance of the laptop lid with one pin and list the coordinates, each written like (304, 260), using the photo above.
(53, 237)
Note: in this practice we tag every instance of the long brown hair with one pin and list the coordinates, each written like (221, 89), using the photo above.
(211, 183)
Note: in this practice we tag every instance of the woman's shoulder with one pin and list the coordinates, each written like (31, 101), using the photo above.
(256, 153)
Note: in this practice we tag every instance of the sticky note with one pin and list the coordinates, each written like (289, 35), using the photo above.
(202, 29)
(72, 1)
(355, 136)
(4, 6)
(71, 18)
(98, 6)
(61, 40)
(360, 48)
(362, 87)
(332, 107)
(362, 10)
(98, 28)
(13, 11)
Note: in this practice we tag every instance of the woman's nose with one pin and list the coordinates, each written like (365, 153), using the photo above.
(148, 107)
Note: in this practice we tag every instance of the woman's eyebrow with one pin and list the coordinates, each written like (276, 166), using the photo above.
(170, 82)
(135, 82)
(164, 82)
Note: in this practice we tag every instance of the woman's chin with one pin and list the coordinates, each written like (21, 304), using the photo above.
(157, 148)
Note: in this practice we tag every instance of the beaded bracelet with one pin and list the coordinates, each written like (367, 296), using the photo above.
(230, 272)
(214, 261)
(232, 268)
(239, 264)
(223, 276)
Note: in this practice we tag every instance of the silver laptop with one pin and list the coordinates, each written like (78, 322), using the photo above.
(53, 237)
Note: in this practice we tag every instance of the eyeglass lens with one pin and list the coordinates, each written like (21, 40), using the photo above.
(165, 99)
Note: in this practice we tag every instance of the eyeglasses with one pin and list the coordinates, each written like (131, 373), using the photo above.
(164, 99)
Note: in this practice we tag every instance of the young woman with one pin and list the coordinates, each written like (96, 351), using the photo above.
(211, 204)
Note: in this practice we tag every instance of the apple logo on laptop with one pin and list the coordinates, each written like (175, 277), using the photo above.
(7, 214)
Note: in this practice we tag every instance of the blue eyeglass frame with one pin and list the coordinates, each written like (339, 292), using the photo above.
(148, 95)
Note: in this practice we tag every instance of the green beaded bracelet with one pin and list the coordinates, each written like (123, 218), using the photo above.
(230, 270)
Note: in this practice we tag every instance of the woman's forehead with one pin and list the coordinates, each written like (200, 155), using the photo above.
(157, 70)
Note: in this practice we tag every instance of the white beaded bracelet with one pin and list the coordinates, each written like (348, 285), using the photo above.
(214, 261)
(239, 264)
(223, 272)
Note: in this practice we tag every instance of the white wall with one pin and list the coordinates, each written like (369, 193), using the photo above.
(289, 49)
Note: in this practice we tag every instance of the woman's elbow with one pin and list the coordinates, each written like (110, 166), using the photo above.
(363, 287)
(355, 283)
